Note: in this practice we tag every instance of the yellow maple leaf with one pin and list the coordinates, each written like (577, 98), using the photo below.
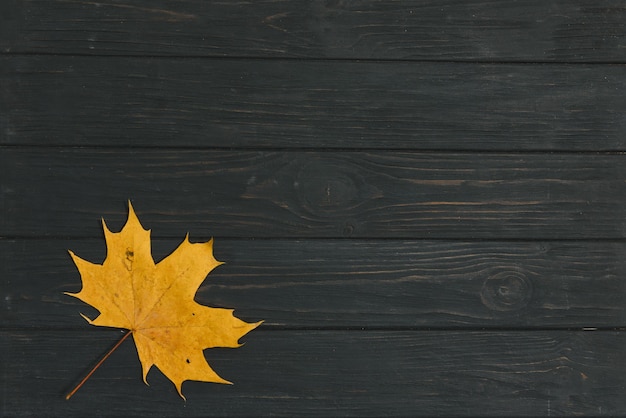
(155, 302)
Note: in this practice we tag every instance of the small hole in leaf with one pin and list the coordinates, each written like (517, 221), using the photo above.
(193, 314)
(188, 361)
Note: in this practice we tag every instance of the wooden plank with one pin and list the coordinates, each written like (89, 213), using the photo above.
(250, 103)
(298, 373)
(64, 192)
(526, 30)
(353, 283)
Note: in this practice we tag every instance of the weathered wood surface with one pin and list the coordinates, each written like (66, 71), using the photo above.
(353, 283)
(276, 104)
(358, 373)
(527, 30)
(315, 194)
(425, 201)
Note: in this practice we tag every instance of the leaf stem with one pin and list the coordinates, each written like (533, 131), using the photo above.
(69, 395)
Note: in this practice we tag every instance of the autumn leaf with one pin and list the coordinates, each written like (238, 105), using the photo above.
(155, 302)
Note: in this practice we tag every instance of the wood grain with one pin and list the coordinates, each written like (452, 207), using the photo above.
(64, 192)
(304, 373)
(352, 283)
(527, 30)
(151, 102)
(425, 200)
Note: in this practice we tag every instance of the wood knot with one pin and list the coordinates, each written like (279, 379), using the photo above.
(348, 229)
(507, 290)
(325, 187)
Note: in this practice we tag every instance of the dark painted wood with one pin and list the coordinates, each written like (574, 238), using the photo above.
(352, 283)
(305, 373)
(249, 103)
(527, 30)
(63, 192)
(424, 200)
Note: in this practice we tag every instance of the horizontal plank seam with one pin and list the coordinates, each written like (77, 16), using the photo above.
(329, 238)
(282, 328)
(315, 59)
(443, 328)
(325, 149)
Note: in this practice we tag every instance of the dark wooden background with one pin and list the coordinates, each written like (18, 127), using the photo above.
(424, 200)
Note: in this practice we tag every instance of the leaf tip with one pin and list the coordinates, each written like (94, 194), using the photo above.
(253, 325)
(145, 378)
(87, 319)
(131, 211)
(132, 221)
(105, 227)
(179, 389)
(74, 295)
